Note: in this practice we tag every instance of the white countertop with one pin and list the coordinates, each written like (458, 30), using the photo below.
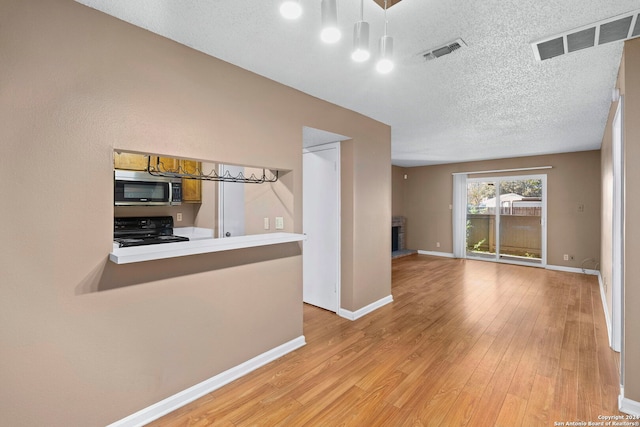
(193, 233)
(197, 246)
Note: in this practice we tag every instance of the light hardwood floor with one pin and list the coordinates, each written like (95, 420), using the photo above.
(464, 343)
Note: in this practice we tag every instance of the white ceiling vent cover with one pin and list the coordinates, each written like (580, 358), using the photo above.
(621, 27)
(443, 50)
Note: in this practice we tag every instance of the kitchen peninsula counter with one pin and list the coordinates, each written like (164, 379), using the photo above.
(197, 245)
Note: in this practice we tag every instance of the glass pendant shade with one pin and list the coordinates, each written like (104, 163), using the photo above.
(330, 31)
(385, 63)
(360, 42)
(291, 9)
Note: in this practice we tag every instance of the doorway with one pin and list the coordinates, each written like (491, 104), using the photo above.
(321, 225)
(231, 204)
(506, 219)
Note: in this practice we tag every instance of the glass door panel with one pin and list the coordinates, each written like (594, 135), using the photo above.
(520, 219)
(481, 219)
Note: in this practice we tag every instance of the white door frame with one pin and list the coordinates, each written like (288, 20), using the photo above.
(543, 218)
(322, 147)
(617, 264)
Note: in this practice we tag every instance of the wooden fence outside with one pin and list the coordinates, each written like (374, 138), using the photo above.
(520, 234)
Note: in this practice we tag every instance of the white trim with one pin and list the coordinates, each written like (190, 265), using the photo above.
(607, 318)
(441, 254)
(572, 269)
(618, 229)
(354, 315)
(628, 406)
(504, 170)
(171, 403)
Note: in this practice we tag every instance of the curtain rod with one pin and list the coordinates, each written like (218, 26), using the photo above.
(503, 170)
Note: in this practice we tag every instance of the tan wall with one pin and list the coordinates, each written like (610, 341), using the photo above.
(88, 342)
(574, 179)
(207, 211)
(269, 200)
(347, 231)
(397, 191)
(631, 91)
(371, 212)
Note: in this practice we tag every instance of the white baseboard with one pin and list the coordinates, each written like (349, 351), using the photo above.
(572, 270)
(353, 315)
(607, 318)
(441, 254)
(180, 399)
(628, 406)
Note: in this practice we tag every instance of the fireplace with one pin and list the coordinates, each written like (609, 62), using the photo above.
(397, 233)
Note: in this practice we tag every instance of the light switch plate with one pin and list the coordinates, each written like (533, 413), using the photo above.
(279, 223)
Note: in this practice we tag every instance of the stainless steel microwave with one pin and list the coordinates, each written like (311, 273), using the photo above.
(142, 189)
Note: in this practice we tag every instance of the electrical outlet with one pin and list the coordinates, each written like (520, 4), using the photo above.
(566, 257)
(581, 207)
(279, 223)
(179, 216)
(437, 244)
(266, 223)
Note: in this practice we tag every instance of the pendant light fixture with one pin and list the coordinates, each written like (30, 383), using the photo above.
(291, 9)
(361, 38)
(330, 31)
(385, 63)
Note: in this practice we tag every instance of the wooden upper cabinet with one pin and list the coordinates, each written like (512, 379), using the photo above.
(138, 162)
(128, 161)
(191, 188)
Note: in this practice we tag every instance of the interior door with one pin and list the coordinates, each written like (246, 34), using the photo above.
(231, 206)
(321, 212)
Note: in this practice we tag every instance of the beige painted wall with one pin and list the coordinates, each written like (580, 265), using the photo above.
(631, 91)
(88, 342)
(574, 179)
(397, 191)
(269, 200)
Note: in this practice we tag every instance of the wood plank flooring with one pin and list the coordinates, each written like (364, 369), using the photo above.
(464, 343)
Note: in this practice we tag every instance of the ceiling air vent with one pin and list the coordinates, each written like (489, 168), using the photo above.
(443, 50)
(621, 27)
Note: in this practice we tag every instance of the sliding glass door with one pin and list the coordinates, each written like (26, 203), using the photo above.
(481, 219)
(505, 219)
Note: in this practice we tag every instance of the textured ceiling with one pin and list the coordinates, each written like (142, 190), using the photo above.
(488, 100)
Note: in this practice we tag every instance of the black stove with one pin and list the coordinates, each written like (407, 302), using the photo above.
(140, 231)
